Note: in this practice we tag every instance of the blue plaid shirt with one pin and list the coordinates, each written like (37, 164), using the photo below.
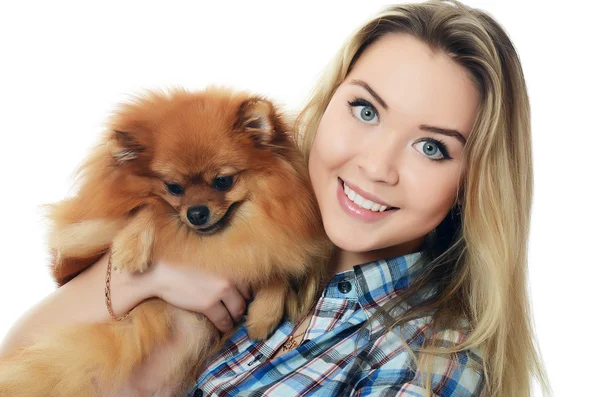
(334, 359)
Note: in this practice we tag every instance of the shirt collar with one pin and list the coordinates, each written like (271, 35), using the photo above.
(373, 284)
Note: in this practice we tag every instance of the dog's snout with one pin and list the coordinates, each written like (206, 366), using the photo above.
(198, 215)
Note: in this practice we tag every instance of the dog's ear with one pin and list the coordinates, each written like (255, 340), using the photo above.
(257, 116)
(133, 126)
(128, 146)
(131, 130)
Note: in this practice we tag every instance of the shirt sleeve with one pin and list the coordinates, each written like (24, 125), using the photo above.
(458, 377)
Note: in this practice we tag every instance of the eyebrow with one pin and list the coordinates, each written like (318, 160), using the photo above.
(444, 131)
(367, 87)
(424, 127)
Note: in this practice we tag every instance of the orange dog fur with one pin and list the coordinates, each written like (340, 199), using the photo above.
(209, 179)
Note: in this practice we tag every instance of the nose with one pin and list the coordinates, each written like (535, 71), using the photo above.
(198, 215)
(379, 160)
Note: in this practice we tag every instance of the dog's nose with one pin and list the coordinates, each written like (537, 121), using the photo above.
(198, 215)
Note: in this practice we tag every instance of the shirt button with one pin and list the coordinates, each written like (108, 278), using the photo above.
(345, 287)
(256, 359)
(198, 393)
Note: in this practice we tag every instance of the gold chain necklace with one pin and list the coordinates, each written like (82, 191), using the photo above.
(290, 342)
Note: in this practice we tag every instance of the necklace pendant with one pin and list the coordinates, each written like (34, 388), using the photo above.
(289, 344)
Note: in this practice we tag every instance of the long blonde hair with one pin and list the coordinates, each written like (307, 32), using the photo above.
(477, 256)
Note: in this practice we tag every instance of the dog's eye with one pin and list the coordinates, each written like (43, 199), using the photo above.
(174, 189)
(223, 182)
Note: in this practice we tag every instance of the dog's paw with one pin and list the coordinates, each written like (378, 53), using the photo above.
(130, 259)
(259, 330)
(263, 318)
(132, 249)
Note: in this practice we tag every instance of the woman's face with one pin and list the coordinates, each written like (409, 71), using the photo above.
(393, 135)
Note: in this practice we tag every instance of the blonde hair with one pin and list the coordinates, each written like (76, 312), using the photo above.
(477, 256)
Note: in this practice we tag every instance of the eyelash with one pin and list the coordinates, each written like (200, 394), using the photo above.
(440, 145)
(361, 102)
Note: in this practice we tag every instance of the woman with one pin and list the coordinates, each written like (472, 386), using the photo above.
(423, 111)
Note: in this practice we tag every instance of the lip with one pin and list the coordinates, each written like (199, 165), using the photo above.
(358, 212)
(364, 194)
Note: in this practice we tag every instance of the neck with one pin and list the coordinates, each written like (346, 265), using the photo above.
(345, 260)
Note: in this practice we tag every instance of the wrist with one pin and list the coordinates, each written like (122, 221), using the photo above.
(154, 284)
(127, 290)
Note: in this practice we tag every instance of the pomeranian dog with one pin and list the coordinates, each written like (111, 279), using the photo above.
(209, 179)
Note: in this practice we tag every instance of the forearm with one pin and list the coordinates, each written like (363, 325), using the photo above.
(81, 300)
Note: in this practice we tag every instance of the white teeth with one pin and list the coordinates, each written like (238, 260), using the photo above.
(359, 200)
(349, 192)
(362, 202)
(367, 204)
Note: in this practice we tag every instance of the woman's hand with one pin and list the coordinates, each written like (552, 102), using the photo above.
(201, 291)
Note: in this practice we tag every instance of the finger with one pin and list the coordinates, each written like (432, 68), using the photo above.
(246, 292)
(220, 317)
(235, 304)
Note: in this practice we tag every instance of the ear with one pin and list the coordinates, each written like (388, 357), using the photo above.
(128, 147)
(257, 117)
(131, 129)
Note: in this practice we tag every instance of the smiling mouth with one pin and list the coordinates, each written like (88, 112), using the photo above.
(374, 207)
(221, 223)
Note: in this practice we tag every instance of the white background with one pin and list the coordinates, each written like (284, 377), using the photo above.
(63, 66)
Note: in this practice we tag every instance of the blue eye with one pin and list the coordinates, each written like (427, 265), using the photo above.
(432, 147)
(364, 111)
